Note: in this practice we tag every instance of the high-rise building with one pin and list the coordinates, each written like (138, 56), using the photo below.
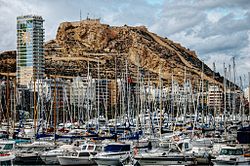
(30, 52)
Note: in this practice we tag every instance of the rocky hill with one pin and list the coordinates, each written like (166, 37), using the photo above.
(87, 42)
(78, 43)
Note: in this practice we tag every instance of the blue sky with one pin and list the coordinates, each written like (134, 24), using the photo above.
(217, 30)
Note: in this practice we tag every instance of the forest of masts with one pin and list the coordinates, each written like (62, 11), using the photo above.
(131, 95)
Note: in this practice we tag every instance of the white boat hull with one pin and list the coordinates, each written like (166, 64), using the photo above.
(7, 160)
(227, 162)
(69, 160)
(108, 161)
(50, 159)
(164, 161)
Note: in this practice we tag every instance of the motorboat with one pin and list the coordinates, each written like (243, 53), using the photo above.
(50, 157)
(175, 154)
(81, 156)
(7, 145)
(6, 158)
(113, 154)
(6, 152)
(30, 153)
(231, 155)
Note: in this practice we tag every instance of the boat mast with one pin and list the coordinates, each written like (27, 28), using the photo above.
(116, 102)
(229, 90)
(128, 91)
(248, 94)
(106, 98)
(185, 94)
(35, 111)
(98, 95)
(14, 103)
(64, 117)
(225, 94)
(138, 94)
(215, 98)
(7, 102)
(234, 88)
(241, 101)
(172, 99)
(160, 82)
(55, 102)
(88, 96)
(202, 95)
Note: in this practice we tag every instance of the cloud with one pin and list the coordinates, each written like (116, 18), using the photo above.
(216, 29)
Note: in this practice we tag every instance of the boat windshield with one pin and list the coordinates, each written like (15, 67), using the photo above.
(98, 148)
(90, 147)
(38, 149)
(84, 147)
(231, 152)
(8, 147)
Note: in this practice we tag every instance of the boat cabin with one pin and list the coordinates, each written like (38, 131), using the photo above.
(231, 151)
(87, 149)
(7, 145)
(181, 146)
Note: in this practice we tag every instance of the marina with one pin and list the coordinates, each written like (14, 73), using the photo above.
(106, 95)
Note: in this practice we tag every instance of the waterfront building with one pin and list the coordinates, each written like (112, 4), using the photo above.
(215, 97)
(57, 93)
(246, 94)
(89, 94)
(81, 89)
(30, 52)
(102, 94)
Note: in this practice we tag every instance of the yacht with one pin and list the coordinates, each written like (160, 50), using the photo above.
(81, 156)
(6, 152)
(175, 154)
(113, 154)
(30, 153)
(231, 155)
(7, 145)
(50, 157)
(6, 158)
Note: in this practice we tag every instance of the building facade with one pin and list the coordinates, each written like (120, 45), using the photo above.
(215, 97)
(30, 53)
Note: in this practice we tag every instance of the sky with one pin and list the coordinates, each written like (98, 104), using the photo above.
(217, 30)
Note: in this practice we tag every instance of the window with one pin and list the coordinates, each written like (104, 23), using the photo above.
(84, 147)
(8, 147)
(180, 146)
(83, 154)
(90, 147)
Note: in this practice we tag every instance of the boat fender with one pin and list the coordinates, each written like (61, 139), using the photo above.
(135, 151)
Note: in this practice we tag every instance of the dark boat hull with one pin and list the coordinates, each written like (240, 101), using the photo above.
(28, 160)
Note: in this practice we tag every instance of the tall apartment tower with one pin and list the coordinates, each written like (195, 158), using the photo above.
(30, 53)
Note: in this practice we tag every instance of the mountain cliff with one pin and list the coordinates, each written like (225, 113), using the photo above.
(78, 43)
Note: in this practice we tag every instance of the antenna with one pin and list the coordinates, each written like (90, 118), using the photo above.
(234, 72)
(248, 92)
(214, 67)
(80, 15)
(87, 16)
